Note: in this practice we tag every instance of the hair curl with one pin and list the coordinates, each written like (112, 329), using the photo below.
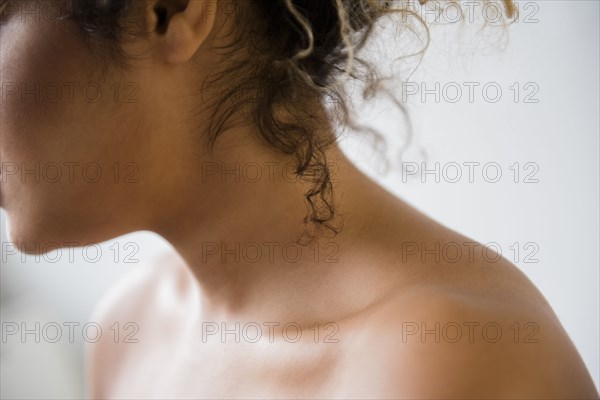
(293, 51)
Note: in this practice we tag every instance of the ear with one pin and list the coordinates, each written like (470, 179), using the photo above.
(182, 26)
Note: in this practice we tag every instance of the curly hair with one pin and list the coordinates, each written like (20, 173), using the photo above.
(282, 54)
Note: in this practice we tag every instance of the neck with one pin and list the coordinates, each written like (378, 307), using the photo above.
(237, 229)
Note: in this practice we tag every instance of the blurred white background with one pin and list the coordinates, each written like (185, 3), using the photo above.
(552, 55)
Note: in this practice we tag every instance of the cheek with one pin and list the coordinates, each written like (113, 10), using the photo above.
(48, 95)
(65, 163)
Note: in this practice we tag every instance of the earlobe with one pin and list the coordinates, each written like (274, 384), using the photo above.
(179, 43)
(185, 30)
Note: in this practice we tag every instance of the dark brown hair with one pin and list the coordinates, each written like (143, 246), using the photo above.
(293, 51)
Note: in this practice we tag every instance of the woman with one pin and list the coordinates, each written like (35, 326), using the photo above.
(293, 274)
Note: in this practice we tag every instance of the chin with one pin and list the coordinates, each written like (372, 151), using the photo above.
(21, 237)
(33, 235)
(37, 224)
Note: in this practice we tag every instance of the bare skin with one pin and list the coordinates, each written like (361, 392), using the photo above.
(367, 306)
(366, 288)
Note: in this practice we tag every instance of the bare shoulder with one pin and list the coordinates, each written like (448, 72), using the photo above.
(146, 304)
(461, 335)
(460, 321)
(132, 295)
